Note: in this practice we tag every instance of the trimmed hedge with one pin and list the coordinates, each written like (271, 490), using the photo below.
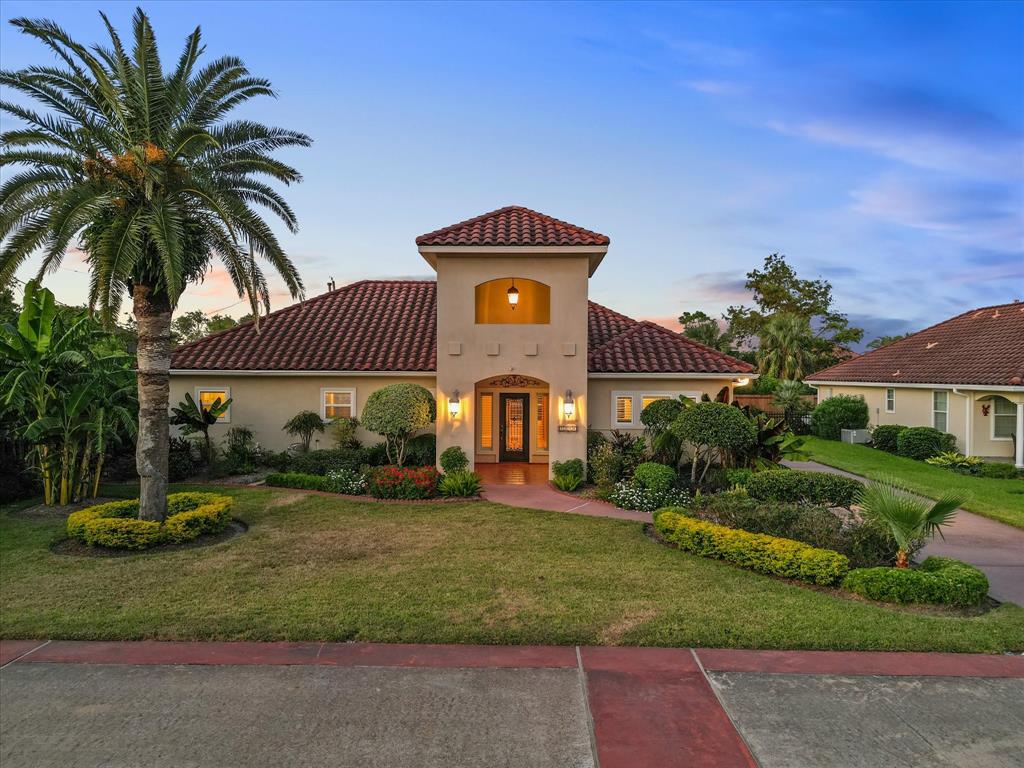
(938, 580)
(837, 413)
(924, 442)
(115, 525)
(764, 554)
(793, 486)
(884, 437)
(298, 480)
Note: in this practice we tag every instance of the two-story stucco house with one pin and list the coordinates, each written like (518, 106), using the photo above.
(519, 359)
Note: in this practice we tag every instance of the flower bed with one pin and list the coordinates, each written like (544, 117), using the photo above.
(115, 525)
(938, 581)
(764, 554)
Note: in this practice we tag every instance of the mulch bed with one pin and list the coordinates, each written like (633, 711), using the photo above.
(76, 548)
(44, 514)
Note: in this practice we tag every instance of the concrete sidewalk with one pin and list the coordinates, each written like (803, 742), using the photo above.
(317, 704)
(995, 548)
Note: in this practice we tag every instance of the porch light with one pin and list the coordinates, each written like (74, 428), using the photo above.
(569, 406)
(741, 382)
(513, 295)
(453, 404)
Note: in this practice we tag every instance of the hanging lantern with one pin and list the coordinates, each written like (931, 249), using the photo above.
(513, 295)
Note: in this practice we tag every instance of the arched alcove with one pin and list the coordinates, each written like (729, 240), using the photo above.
(533, 305)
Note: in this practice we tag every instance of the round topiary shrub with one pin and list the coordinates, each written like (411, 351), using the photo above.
(115, 525)
(884, 436)
(453, 459)
(923, 442)
(837, 413)
(396, 413)
(716, 431)
(654, 477)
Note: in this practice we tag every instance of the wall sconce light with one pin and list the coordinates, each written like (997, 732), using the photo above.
(569, 406)
(741, 382)
(513, 295)
(453, 404)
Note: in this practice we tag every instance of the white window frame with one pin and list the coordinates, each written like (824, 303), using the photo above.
(936, 411)
(890, 401)
(638, 399)
(335, 390)
(1013, 415)
(226, 418)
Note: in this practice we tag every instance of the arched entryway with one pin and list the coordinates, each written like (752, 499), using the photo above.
(513, 422)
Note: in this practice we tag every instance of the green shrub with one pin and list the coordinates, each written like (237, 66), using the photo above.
(459, 483)
(183, 459)
(348, 481)
(922, 443)
(421, 451)
(998, 470)
(115, 525)
(393, 482)
(884, 437)
(938, 580)
(343, 431)
(376, 455)
(716, 431)
(788, 485)
(606, 467)
(324, 461)
(738, 477)
(396, 413)
(568, 467)
(297, 480)
(866, 543)
(454, 459)
(302, 425)
(837, 413)
(654, 477)
(629, 494)
(567, 482)
(956, 462)
(764, 554)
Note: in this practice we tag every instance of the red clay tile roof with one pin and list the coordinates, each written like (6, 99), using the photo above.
(512, 225)
(391, 325)
(372, 325)
(983, 346)
(619, 344)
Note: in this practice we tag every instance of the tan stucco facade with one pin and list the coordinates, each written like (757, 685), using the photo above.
(912, 406)
(605, 392)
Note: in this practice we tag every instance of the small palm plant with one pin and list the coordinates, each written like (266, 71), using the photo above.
(302, 425)
(908, 517)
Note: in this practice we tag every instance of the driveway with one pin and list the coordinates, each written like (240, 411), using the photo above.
(257, 705)
(995, 548)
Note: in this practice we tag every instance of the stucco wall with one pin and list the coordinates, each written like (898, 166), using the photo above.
(469, 352)
(914, 409)
(602, 392)
(265, 403)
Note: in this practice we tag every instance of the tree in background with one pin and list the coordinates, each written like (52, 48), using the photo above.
(884, 341)
(703, 328)
(786, 350)
(143, 167)
(194, 325)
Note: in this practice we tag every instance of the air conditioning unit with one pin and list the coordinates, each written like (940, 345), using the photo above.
(856, 436)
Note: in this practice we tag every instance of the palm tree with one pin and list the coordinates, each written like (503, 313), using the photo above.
(144, 169)
(786, 347)
(909, 518)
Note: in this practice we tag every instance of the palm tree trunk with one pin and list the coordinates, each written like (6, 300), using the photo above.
(153, 317)
(901, 559)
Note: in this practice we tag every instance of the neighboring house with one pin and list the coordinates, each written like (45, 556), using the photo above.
(521, 363)
(964, 376)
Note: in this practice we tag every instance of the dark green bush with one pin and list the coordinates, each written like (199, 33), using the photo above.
(654, 477)
(454, 459)
(998, 470)
(738, 476)
(297, 480)
(837, 413)
(788, 485)
(421, 451)
(376, 455)
(568, 482)
(183, 459)
(324, 461)
(884, 436)
(923, 442)
(938, 580)
(568, 467)
(459, 483)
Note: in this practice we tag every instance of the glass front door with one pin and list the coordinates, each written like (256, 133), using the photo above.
(515, 428)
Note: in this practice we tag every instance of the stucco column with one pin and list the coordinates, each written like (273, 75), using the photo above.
(1020, 436)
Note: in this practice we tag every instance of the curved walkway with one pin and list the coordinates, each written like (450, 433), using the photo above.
(545, 497)
(995, 548)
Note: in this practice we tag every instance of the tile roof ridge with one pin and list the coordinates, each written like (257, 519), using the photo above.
(508, 209)
(692, 342)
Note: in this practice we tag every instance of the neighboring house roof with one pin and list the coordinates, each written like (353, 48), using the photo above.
(984, 346)
(391, 325)
(512, 225)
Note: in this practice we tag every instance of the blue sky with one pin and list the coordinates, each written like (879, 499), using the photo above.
(878, 145)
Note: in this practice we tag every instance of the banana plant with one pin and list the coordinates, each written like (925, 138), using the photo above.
(193, 418)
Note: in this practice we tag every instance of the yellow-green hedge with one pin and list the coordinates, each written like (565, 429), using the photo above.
(761, 553)
(117, 526)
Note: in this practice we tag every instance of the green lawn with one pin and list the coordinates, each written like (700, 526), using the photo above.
(319, 568)
(1001, 500)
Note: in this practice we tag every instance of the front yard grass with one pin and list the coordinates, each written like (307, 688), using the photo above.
(1002, 500)
(319, 568)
